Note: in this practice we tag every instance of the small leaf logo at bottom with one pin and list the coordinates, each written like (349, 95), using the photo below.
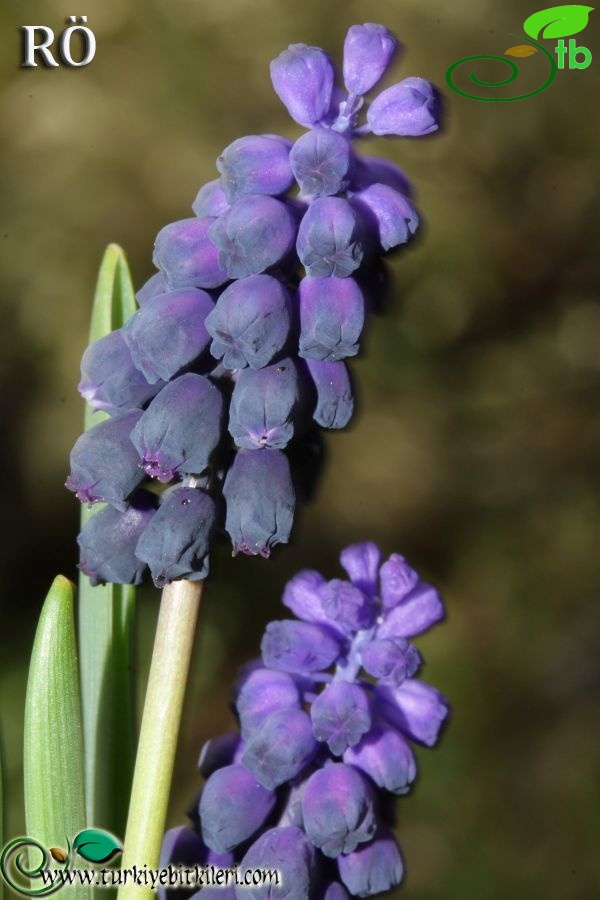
(521, 50)
(96, 845)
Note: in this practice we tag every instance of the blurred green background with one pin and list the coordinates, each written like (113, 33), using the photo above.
(476, 449)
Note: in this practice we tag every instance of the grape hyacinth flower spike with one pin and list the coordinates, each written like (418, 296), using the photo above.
(328, 718)
(239, 349)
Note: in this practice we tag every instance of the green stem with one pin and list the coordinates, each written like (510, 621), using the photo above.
(159, 732)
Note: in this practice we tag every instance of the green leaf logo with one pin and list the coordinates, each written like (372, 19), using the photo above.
(96, 845)
(557, 21)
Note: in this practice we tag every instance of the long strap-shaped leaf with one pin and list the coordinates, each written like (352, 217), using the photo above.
(106, 618)
(53, 742)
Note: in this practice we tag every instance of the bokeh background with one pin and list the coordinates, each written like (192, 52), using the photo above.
(476, 449)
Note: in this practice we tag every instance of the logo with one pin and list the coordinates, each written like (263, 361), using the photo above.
(549, 24)
(25, 860)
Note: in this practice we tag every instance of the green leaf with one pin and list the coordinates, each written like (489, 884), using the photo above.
(106, 618)
(557, 21)
(96, 845)
(53, 742)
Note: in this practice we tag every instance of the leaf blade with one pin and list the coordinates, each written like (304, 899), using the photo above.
(521, 50)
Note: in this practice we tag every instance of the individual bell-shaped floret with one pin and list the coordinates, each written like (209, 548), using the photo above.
(185, 254)
(335, 891)
(411, 605)
(303, 78)
(257, 232)
(299, 647)
(346, 605)
(374, 867)
(332, 316)
(257, 164)
(334, 401)
(260, 501)
(233, 806)
(210, 200)
(320, 161)
(105, 465)
(168, 333)
(250, 323)
(361, 562)
(391, 660)
(107, 543)
(181, 428)
(410, 108)
(302, 594)
(218, 752)
(156, 284)
(109, 379)
(263, 404)
(288, 851)
(176, 542)
(338, 809)
(368, 51)
(281, 748)
(386, 757)
(341, 715)
(261, 693)
(329, 238)
(417, 709)
(393, 217)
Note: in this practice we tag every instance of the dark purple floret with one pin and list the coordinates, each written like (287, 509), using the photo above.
(347, 605)
(386, 757)
(94, 475)
(341, 715)
(263, 405)
(410, 108)
(107, 543)
(392, 215)
(281, 748)
(187, 257)
(302, 594)
(303, 78)
(335, 891)
(332, 315)
(233, 806)
(301, 647)
(210, 200)
(218, 752)
(260, 501)
(417, 709)
(176, 542)
(334, 403)
(374, 867)
(290, 852)
(262, 692)
(180, 429)
(338, 809)
(250, 323)
(109, 379)
(368, 51)
(391, 660)
(329, 238)
(257, 164)
(156, 284)
(320, 161)
(168, 333)
(257, 232)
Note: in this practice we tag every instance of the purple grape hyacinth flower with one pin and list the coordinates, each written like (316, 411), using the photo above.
(330, 238)
(108, 539)
(332, 315)
(257, 164)
(303, 78)
(368, 51)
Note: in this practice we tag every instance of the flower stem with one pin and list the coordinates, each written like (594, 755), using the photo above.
(161, 718)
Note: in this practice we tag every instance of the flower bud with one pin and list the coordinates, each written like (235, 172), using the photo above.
(416, 708)
(94, 475)
(260, 501)
(289, 852)
(361, 562)
(233, 806)
(254, 234)
(210, 200)
(281, 747)
(386, 757)
(332, 315)
(109, 379)
(335, 891)
(176, 542)
(320, 161)
(186, 255)
(250, 323)
(302, 595)
(410, 108)
(341, 716)
(155, 285)
(180, 429)
(393, 217)
(329, 238)
(107, 543)
(338, 809)
(415, 612)
(347, 606)
(257, 164)
(298, 647)
(391, 660)
(303, 79)
(263, 403)
(261, 693)
(368, 51)
(335, 403)
(168, 333)
(374, 867)
(218, 752)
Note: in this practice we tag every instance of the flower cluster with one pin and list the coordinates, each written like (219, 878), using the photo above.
(327, 717)
(239, 345)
